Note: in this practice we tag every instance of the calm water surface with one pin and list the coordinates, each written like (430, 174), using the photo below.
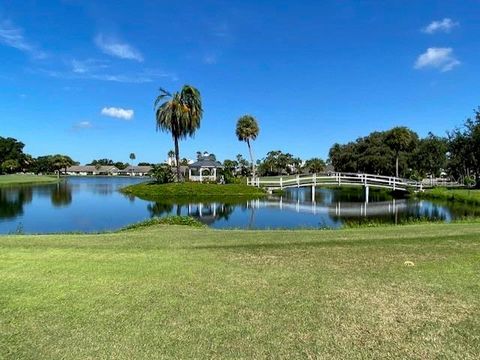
(93, 204)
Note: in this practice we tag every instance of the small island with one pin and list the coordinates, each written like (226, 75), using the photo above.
(193, 191)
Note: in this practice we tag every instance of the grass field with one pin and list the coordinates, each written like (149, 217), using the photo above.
(470, 196)
(192, 191)
(181, 292)
(26, 179)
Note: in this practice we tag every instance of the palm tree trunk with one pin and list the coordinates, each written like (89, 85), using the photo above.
(396, 166)
(251, 158)
(177, 157)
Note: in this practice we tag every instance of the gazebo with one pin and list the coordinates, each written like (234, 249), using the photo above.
(204, 170)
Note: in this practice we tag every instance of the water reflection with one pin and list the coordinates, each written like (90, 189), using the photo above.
(61, 194)
(158, 209)
(12, 201)
(94, 204)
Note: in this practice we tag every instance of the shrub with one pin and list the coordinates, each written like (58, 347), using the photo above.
(169, 220)
(162, 174)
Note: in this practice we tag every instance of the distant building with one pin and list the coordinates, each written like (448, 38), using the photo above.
(132, 170)
(79, 170)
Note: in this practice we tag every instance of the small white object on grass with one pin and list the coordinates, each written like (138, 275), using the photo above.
(408, 263)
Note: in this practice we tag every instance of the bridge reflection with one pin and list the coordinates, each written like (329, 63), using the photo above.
(338, 209)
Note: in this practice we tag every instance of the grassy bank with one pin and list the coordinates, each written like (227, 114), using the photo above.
(26, 179)
(191, 191)
(183, 292)
(469, 196)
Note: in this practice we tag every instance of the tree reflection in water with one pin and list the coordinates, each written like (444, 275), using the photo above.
(207, 213)
(158, 209)
(12, 201)
(61, 194)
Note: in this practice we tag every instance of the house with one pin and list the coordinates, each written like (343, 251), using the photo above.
(205, 169)
(132, 170)
(79, 170)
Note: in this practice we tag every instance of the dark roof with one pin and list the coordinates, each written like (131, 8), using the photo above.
(92, 168)
(136, 169)
(206, 164)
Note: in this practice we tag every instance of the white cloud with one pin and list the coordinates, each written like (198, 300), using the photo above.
(439, 58)
(446, 25)
(120, 113)
(82, 125)
(118, 49)
(13, 36)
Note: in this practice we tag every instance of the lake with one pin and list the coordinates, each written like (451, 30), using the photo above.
(94, 204)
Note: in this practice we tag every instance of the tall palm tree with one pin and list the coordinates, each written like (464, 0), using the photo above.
(247, 130)
(132, 157)
(179, 114)
(400, 139)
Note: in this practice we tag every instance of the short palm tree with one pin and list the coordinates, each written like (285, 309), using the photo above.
(179, 114)
(247, 130)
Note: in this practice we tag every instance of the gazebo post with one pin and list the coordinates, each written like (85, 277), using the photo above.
(215, 173)
(201, 170)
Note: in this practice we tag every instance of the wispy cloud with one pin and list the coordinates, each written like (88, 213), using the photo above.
(210, 59)
(81, 72)
(438, 58)
(221, 30)
(446, 25)
(87, 66)
(113, 47)
(82, 125)
(119, 113)
(13, 36)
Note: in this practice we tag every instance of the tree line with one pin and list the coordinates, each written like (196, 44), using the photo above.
(13, 159)
(401, 152)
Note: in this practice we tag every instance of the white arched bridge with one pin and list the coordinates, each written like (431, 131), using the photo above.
(342, 179)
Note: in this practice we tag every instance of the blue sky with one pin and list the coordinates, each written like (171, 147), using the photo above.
(80, 77)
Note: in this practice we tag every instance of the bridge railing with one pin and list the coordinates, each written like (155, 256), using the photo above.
(335, 179)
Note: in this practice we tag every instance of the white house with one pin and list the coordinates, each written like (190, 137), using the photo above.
(79, 170)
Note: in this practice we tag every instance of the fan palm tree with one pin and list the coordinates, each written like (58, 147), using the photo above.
(247, 130)
(179, 114)
(171, 158)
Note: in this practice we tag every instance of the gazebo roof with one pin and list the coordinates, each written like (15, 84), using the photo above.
(205, 164)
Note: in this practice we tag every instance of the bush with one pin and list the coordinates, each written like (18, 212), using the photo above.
(163, 174)
(169, 220)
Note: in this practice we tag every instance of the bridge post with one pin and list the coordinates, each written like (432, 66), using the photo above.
(298, 181)
(367, 193)
(394, 180)
(315, 179)
(281, 183)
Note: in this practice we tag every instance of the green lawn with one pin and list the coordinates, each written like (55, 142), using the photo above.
(189, 191)
(471, 196)
(181, 292)
(26, 179)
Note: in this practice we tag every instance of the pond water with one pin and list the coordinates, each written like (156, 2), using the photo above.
(94, 204)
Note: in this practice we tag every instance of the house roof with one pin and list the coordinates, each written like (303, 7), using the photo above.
(91, 168)
(205, 164)
(136, 169)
